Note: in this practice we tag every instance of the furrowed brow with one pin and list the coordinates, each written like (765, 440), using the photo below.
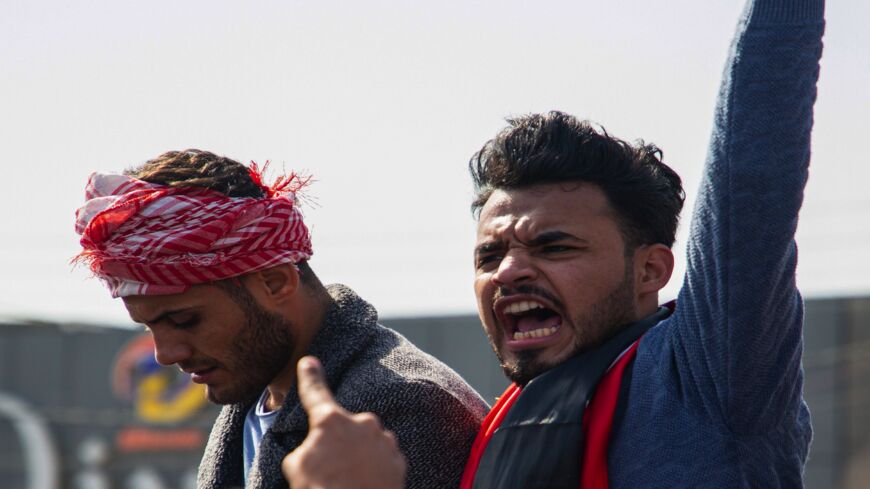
(548, 237)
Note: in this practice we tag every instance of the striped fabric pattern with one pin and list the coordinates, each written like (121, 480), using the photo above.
(142, 238)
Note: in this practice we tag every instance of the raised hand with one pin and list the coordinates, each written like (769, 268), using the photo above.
(342, 450)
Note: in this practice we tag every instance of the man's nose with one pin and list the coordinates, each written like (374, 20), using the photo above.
(169, 349)
(515, 268)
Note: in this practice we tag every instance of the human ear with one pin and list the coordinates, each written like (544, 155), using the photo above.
(278, 283)
(653, 267)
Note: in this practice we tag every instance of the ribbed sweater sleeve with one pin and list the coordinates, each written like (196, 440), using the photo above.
(736, 345)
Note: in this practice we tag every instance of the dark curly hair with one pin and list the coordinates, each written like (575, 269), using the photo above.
(646, 194)
(197, 168)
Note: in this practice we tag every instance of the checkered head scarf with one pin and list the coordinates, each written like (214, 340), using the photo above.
(143, 238)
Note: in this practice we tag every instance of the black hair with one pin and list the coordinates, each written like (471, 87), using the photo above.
(645, 193)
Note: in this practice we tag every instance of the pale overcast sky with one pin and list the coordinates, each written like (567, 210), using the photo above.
(383, 103)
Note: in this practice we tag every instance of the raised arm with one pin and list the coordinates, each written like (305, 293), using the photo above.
(737, 335)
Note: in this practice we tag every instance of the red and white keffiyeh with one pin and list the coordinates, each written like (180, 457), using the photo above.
(143, 238)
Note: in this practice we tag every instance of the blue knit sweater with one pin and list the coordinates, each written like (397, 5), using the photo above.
(715, 395)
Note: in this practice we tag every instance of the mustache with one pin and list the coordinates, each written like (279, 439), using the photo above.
(527, 289)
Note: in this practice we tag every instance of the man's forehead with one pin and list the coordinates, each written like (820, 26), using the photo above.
(515, 209)
(143, 308)
(501, 228)
(575, 208)
(565, 197)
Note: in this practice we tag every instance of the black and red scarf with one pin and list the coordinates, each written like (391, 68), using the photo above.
(554, 432)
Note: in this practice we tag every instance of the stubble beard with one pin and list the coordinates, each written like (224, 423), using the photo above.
(600, 323)
(261, 350)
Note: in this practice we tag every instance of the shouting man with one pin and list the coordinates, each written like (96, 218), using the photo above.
(215, 264)
(573, 246)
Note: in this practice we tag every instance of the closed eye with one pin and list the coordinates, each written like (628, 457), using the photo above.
(183, 320)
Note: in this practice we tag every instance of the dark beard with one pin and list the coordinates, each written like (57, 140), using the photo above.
(262, 349)
(596, 327)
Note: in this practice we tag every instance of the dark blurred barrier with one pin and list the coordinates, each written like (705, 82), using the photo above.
(837, 366)
(85, 407)
(88, 408)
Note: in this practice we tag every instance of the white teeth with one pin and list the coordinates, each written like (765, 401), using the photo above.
(535, 333)
(522, 306)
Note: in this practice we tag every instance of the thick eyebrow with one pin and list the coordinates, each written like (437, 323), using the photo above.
(487, 247)
(548, 237)
(542, 239)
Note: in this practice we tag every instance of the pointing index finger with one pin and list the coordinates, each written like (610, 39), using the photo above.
(313, 391)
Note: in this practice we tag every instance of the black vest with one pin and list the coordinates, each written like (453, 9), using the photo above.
(539, 444)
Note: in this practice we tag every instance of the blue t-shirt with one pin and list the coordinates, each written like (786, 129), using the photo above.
(257, 422)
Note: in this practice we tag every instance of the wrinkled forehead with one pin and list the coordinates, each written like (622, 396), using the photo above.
(527, 211)
(501, 214)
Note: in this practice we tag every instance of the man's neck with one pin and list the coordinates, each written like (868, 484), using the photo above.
(308, 316)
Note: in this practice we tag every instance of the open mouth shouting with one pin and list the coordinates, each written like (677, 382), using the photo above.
(527, 322)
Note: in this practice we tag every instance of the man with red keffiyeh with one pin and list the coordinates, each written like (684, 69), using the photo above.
(214, 262)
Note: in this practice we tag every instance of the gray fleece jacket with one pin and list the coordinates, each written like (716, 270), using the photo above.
(433, 412)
